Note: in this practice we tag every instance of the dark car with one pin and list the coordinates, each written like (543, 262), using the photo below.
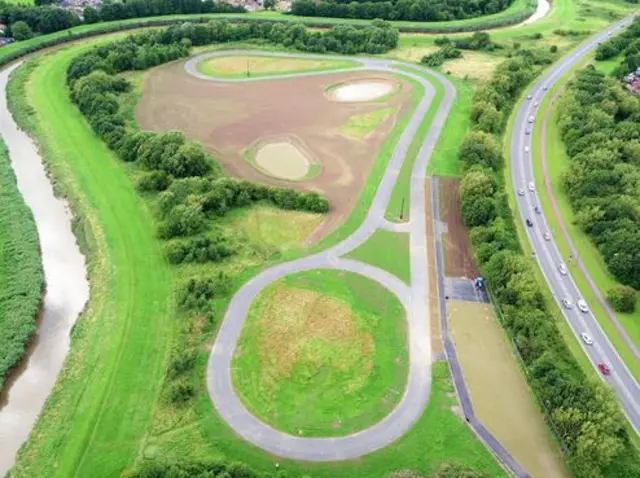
(604, 368)
(529, 223)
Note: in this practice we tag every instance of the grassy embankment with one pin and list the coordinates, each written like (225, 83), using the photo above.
(93, 428)
(242, 66)
(557, 163)
(21, 275)
(387, 250)
(315, 352)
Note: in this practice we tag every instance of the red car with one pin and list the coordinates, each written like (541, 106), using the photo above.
(604, 368)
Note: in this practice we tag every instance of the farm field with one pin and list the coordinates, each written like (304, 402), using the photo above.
(241, 66)
(235, 121)
(500, 395)
(322, 353)
(65, 443)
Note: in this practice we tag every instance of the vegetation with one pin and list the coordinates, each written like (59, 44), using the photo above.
(600, 127)
(622, 298)
(573, 403)
(387, 250)
(21, 276)
(322, 353)
(412, 10)
(626, 44)
(438, 58)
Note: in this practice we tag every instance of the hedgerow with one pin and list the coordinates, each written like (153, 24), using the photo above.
(21, 275)
(584, 414)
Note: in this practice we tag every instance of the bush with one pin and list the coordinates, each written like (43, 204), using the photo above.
(154, 181)
(196, 293)
(622, 298)
(211, 248)
(181, 393)
(182, 363)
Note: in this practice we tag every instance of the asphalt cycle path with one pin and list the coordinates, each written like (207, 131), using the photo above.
(547, 252)
(414, 297)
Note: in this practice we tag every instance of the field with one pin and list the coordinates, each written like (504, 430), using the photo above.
(90, 428)
(231, 118)
(21, 275)
(500, 394)
(322, 353)
(240, 66)
(387, 250)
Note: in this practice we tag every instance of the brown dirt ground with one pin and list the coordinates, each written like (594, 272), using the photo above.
(227, 118)
(458, 259)
(432, 269)
(500, 395)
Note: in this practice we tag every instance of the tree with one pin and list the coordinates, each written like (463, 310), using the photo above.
(478, 211)
(21, 31)
(481, 148)
(269, 4)
(91, 15)
(622, 298)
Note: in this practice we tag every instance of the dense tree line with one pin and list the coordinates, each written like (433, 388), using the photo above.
(627, 43)
(210, 469)
(412, 10)
(600, 125)
(44, 18)
(584, 414)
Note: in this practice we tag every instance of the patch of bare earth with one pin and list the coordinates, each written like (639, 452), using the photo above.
(432, 271)
(458, 258)
(229, 117)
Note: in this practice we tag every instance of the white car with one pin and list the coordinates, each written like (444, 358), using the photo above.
(520, 192)
(536, 104)
(567, 304)
(582, 305)
(529, 97)
(526, 149)
(545, 87)
(532, 119)
(586, 339)
(532, 187)
(562, 268)
(546, 235)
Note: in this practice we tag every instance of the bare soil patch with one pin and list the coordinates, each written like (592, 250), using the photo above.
(432, 270)
(500, 395)
(282, 159)
(361, 90)
(458, 258)
(227, 118)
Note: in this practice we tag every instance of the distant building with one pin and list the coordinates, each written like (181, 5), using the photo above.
(633, 82)
(5, 41)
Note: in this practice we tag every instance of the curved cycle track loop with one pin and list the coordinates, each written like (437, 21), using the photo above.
(414, 297)
(547, 253)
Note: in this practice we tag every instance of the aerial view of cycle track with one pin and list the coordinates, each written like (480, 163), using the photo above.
(414, 296)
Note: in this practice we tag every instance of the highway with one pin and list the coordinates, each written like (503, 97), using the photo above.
(546, 251)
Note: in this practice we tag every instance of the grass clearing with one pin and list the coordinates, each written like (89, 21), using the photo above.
(361, 126)
(475, 66)
(322, 353)
(21, 274)
(499, 391)
(242, 66)
(387, 250)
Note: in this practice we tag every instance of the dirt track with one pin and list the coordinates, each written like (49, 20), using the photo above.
(228, 118)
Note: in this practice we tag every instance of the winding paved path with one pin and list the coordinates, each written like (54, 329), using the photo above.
(414, 298)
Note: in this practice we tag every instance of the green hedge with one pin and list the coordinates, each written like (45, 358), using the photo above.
(21, 276)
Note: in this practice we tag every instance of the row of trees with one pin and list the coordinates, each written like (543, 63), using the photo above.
(412, 10)
(600, 126)
(43, 18)
(584, 414)
(627, 43)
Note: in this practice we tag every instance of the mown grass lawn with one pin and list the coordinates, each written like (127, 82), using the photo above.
(387, 250)
(242, 66)
(322, 353)
(105, 414)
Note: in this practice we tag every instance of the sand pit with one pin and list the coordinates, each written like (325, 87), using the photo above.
(366, 90)
(282, 159)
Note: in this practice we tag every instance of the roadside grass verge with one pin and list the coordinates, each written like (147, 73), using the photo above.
(322, 353)
(557, 162)
(21, 274)
(387, 250)
(243, 66)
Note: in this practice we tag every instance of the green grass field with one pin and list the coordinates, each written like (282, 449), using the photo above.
(21, 275)
(322, 353)
(105, 414)
(362, 125)
(241, 66)
(387, 250)
(557, 162)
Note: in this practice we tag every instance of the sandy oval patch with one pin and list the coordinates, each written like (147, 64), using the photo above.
(365, 90)
(282, 160)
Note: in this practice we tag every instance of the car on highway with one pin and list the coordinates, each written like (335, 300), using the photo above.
(582, 305)
(529, 97)
(528, 131)
(529, 222)
(526, 149)
(586, 339)
(546, 235)
(604, 368)
(567, 304)
(562, 268)
(532, 187)
(532, 119)
(537, 209)
(545, 87)
(536, 104)
(520, 192)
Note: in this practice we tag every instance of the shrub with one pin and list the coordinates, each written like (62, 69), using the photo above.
(622, 298)
(154, 181)
(196, 293)
(181, 393)
(210, 248)
(182, 363)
